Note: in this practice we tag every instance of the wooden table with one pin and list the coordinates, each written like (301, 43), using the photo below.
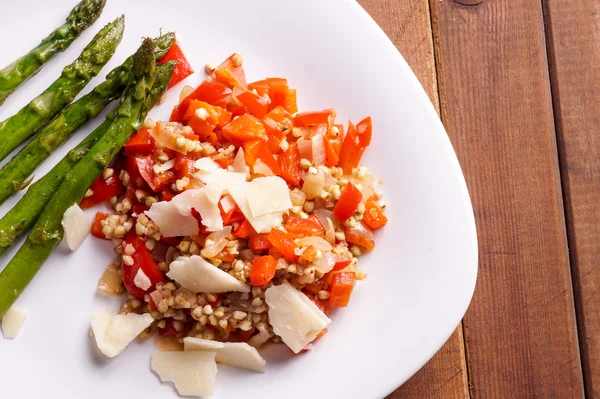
(517, 84)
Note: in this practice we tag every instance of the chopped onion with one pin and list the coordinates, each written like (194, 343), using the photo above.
(261, 168)
(219, 241)
(227, 203)
(318, 150)
(329, 231)
(329, 180)
(156, 297)
(323, 215)
(317, 242)
(313, 184)
(161, 168)
(185, 91)
(111, 282)
(305, 148)
(325, 264)
(297, 197)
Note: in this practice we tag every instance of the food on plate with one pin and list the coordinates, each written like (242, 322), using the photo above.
(47, 233)
(24, 214)
(193, 373)
(81, 17)
(241, 220)
(31, 118)
(114, 332)
(14, 174)
(76, 225)
(12, 322)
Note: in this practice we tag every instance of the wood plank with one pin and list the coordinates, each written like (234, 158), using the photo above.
(407, 23)
(496, 103)
(573, 28)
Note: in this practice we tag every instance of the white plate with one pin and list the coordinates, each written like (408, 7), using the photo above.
(421, 275)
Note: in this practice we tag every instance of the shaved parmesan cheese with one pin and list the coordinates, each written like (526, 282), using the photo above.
(114, 333)
(192, 373)
(161, 168)
(206, 165)
(267, 195)
(12, 322)
(239, 163)
(197, 275)
(262, 168)
(238, 354)
(222, 178)
(294, 317)
(77, 226)
(205, 201)
(262, 224)
(141, 280)
(170, 221)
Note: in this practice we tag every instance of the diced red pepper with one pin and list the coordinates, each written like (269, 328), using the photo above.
(97, 225)
(183, 69)
(316, 120)
(342, 285)
(258, 149)
(281, 94)
(289, 163)
(348, 202)
(141, 143)
(103, 190)
(234, 214)
(305, 227)
(284, 243)
(244, 128)
(257, 105)
(230, 74)
(310, 254)
(142, 259)
(145, 166)
(260, 242)
(214, 93)
(184, 165)
(262, 270)
(360, 235)
(340, 262)
(244, 230)
(374, 216)
(356, 141)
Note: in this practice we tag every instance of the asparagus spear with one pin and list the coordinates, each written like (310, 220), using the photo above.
(24, 214)
(31, 118)
(81, 17)
(48, 231)
(14, 174)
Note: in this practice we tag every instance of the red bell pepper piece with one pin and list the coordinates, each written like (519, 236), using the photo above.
(262, 270)
(305, 227)
(360, 235)
(260, 242)
(355, 143)
(141, 143)
(257, 105)
(214, 93)
(340, 262)
(348, 202)
(103, 190)
(145, 167)
(142, 259)
(97, 225)
(230, 74)
(183, 69)
(284, 243)
(258, 149)
(374, 216)
(289, 163)
(244, 128)
(342, 285)
(244, 230)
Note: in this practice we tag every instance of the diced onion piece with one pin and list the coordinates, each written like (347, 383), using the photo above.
(141, 280)
(156, 296)
(161, 168)
(77, 226)
(267, 195)
(324, 214)
(328, 179)
(192, 373)
(261, 168)
(239, 163)
(313, 184)
(114, 333)
(197, 275)
(305, 148)
(294, 317)
(185, 91)
(219, 238)
(12, 322)
(111, 281)
(318, 150)
(297, 197)
(170, 221)
(238, 354)
(317, 242)
(329, 231)
(325, 264)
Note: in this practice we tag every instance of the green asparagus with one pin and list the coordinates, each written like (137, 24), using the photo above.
(48, 231)
(81, 17)
(24, 214)
(31, 118)
(14, 174)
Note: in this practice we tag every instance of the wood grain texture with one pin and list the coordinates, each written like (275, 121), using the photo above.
(521, 336)
(573, 31)
(407, 23)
